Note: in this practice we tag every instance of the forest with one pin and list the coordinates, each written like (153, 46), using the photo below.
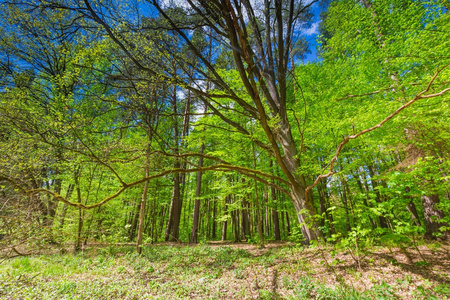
(318, 125)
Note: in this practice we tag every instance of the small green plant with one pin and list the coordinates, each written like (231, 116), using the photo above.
(239, 273)
(305, 288)
(382, 291)
(288, 283)
(422, 263)
(442, 290)
(265, 294)
(120, 269)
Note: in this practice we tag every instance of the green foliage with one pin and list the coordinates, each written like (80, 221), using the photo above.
(82, 118)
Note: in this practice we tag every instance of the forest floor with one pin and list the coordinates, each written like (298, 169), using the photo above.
(230, 271)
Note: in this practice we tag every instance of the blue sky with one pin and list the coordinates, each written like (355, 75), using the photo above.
(312, 33)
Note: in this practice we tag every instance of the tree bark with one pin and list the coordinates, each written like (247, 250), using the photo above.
(64, 210)
(303, 203)
(345, 202)
(432, 215)
(275, 218)
(134, 221)
(225, 223)
(383, 220)
(51, 205)
(80, 216)
(214, 223)
(235, 220)
(173, 224)
(414, 215)
(196, 214)
(366, 192)
(142, 209)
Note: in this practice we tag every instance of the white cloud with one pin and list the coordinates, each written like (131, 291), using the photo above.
(314, 29)
(178, 3)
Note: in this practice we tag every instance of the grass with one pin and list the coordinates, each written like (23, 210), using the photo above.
(226, 272)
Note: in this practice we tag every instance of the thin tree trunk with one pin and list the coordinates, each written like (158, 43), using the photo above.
(288, 224)
(51, 205)
(235, 220)
(383, 219)
(208, 220)
(345, 202)
(154, 216)
(275, 218)
(245, 223)
(196, 214)
(258, 218)
(64, 210)
(80, 217)
(214, 223)
(142, 206)
(134, 221)
(225, 223)
(414, 215)
(266, 213)
(364, 191)
(161, 223)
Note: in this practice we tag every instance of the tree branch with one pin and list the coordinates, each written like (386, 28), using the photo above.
(219, 167)
(396, 112)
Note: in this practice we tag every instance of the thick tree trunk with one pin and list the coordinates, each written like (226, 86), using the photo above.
(305, 211)
(245, 223)
(173, 224)
(432, 215)
(303, 203)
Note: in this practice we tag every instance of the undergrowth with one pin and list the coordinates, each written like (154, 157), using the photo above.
(218, 272)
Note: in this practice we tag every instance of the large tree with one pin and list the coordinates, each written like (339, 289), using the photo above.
(256, 40)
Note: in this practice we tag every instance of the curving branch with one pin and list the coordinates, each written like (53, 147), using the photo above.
(218, 167)
(13, 182)
(419, 96)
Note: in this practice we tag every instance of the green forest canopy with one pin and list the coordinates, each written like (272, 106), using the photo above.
(149, 121)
